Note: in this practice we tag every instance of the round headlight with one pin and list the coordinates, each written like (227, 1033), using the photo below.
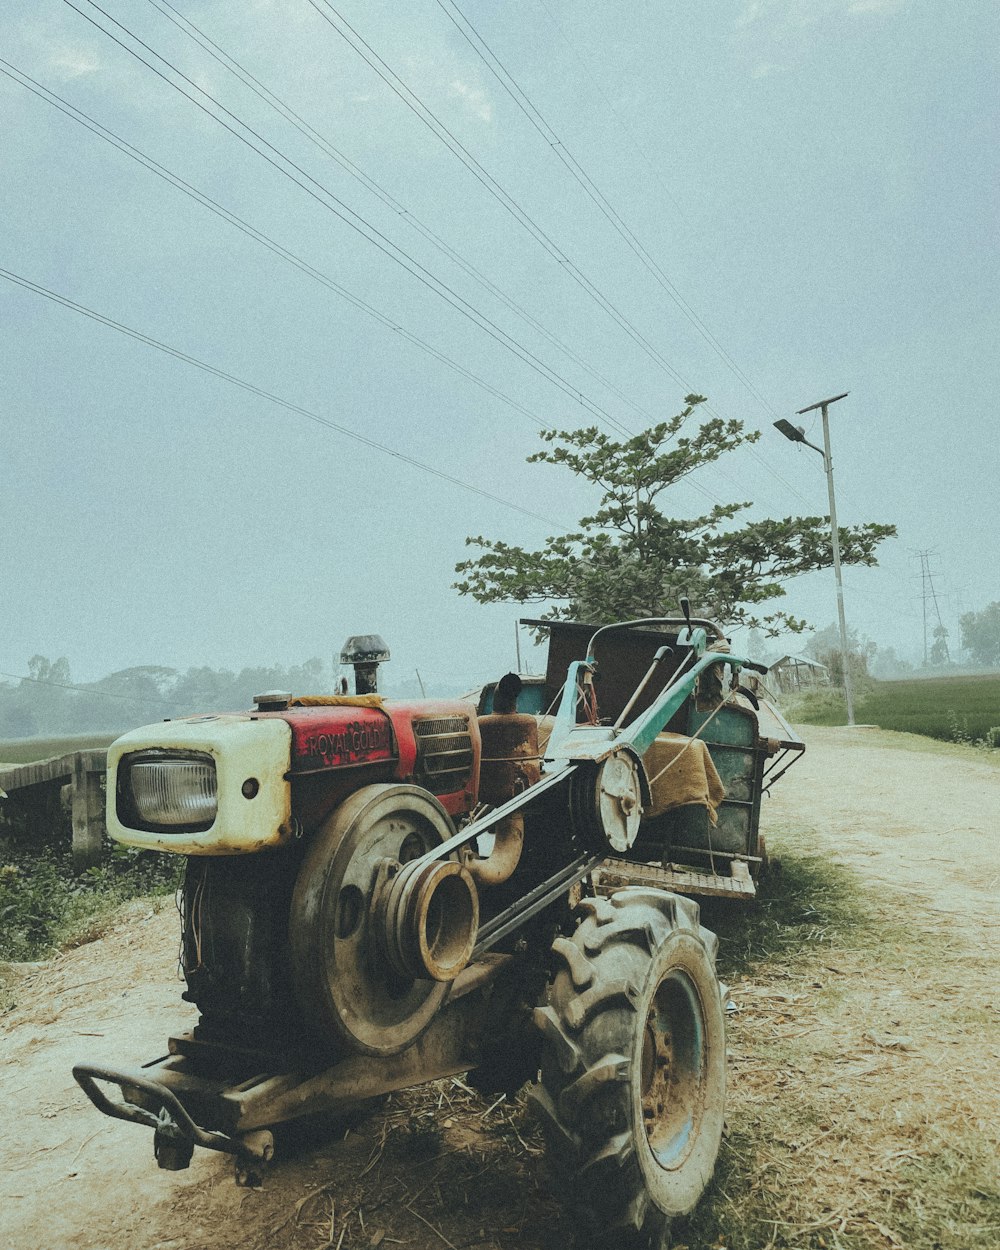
(176, 793)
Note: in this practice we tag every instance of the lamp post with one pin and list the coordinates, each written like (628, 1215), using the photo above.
(798, 435)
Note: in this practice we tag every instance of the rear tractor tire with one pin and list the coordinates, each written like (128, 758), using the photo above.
(632, 1091)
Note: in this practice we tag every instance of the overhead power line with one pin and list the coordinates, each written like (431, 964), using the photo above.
(413, 102)
(593, 192)
(444, 135)
(111, 694)
(261, 393)
(385, 197)
(588, 404)
(359, 224)
(594, 82)
(148, 162)
(332, 203)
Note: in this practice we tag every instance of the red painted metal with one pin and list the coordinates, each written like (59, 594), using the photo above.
(329, 739)
(337, 737)
(404, 714)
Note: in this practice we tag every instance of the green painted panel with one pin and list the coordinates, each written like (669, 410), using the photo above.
(731, 833)
(736, 770)
(735, 726)
(690, 826)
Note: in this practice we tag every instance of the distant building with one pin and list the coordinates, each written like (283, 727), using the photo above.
(797, 672)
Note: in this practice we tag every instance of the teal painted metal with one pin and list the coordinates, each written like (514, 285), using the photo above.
(572, 741)
(728, 726)
(565, 721)
(732, 740)
(641, 734)
(530, 700)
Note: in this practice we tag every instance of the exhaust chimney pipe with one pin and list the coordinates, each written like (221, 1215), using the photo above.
(365, 652)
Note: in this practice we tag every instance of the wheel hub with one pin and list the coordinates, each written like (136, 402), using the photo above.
(672, 1066)
(605, 802)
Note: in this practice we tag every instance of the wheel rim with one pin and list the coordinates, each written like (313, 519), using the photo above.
(673, 1070)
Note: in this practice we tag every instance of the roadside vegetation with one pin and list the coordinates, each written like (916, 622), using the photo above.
(842, 1133)
(45, 906)
(952, 709)
(44, 903)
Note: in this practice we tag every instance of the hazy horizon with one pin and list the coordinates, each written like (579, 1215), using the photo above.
(815, 184)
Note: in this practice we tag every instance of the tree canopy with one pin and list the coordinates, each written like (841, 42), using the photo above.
(824, 646)
(47, 701)
(631, 559)
(981, 635)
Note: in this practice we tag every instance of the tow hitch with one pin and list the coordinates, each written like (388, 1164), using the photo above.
(175, 1134)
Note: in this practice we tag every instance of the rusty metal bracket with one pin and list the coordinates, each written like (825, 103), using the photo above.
(152, 1105)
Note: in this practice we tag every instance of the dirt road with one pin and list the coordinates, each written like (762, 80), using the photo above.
(922, 818)
(886, 1056)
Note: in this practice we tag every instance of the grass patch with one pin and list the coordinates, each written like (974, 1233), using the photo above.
(44, 905)
(745, 1206)
(28, 750)
(956, 1194)
(946, 1200)
(9, 979)
(843, 1130)
(804, 903)
(951, 709)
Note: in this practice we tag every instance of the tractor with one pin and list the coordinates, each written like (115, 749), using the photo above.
(381, 893)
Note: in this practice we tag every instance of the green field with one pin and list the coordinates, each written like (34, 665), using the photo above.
(27, 750)
(954, 709)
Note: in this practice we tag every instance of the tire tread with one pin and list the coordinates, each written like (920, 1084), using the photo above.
(589, 1023)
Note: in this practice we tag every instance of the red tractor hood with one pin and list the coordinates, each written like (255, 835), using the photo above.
(335, 736)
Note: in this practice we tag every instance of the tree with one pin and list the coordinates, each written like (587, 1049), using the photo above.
(981, 635)
(47, 702)
(888, 664)
(824, 646)
(939, 648)
(756, 643)
(134, 695)
(41, 699)
(630, 559)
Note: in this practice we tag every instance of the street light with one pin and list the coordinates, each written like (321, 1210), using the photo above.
(798, 435)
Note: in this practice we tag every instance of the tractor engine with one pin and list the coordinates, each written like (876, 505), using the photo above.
(310, 927)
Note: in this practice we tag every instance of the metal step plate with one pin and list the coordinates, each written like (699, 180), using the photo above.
(614, 874)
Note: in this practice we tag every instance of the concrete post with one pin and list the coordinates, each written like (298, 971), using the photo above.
(88, 814)
(835, 543)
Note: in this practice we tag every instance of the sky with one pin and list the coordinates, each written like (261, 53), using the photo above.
(814, 183)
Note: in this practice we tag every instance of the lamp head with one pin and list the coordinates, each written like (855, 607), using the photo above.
(795, 432)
